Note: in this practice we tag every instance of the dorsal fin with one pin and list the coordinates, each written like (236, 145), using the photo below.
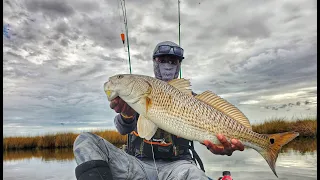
(182, 85)
(224, 106)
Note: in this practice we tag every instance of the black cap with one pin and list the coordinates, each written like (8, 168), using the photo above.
(226, 173)
(170, 43)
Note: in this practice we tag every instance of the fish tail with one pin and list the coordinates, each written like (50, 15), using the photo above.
(276, 142)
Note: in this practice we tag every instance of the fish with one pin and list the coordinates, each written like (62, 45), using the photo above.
(172, 107)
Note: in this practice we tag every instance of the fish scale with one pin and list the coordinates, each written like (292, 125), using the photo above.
(170, 106)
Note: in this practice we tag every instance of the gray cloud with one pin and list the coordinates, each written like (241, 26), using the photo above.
(50, 8)
(64, 42)
(62, 27)
(255, 28)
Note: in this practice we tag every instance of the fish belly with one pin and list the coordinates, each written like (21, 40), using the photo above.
(182, 129)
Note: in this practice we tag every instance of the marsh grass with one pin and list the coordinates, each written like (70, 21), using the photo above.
(305, 127)
(58, 140)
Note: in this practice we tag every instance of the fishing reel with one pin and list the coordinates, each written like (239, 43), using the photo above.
(226, 175)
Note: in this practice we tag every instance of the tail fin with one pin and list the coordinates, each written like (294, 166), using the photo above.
(276, 141)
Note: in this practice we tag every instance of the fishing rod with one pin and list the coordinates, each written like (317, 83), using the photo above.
(127, 33)
(125, 21)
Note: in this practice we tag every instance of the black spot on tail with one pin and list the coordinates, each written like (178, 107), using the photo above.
(271, 140)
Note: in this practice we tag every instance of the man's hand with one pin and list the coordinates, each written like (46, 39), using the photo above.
(119, 106)
(226, 148)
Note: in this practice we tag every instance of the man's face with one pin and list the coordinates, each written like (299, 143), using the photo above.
(167, 67)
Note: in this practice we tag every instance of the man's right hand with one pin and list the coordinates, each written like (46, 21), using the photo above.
(119, 106)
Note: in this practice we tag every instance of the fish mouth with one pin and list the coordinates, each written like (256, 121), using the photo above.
(109, 92)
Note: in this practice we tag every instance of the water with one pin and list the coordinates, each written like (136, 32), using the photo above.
(293, 163)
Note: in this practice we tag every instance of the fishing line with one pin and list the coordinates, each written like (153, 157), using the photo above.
(154, 161)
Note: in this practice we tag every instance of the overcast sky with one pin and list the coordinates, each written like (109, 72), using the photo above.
(259, 55)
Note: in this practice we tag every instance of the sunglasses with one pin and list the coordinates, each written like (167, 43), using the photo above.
(166, 49)
(168, 59)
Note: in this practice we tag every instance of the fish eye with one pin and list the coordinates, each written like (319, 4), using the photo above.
(120, 76)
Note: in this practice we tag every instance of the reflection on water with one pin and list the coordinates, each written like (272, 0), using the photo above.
(39, 165)
(301, 145)
(44, 155)
(298, 160)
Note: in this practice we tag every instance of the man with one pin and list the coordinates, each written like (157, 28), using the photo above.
(165, 157)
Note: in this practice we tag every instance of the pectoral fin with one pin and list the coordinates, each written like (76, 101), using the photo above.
(146, 128)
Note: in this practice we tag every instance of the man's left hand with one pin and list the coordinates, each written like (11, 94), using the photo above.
(227, 148)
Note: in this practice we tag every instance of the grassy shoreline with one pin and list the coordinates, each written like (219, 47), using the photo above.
(307, 128)
(57, 140)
